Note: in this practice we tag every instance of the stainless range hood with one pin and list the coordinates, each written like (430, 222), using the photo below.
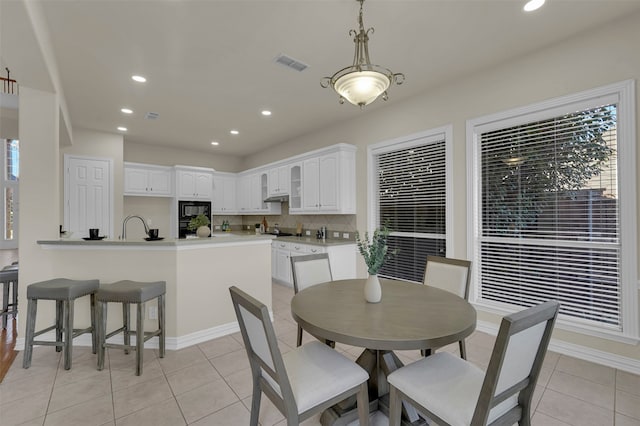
(277, 198)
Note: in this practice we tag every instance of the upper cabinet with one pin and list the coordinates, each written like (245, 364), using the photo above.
(194, 183)
(329, 183)
(224, 193)
(279, 180)
(295, 187)
(253, 188)
(148, 180)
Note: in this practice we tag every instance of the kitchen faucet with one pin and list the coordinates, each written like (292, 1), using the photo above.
(124, 226)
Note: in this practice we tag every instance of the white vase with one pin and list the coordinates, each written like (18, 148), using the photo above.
(203, 231)
(372, 289)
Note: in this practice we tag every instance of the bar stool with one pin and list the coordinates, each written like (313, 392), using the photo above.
(64, 292)
(127, 292)
(9, 283)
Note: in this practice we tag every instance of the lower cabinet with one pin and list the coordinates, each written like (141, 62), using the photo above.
(341, 257)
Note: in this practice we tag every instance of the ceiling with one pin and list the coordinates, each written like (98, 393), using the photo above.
(210, 65)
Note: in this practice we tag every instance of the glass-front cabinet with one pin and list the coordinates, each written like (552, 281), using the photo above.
(295, 187)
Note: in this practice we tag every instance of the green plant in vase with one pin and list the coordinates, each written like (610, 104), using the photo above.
(375, 252)
(200, 225)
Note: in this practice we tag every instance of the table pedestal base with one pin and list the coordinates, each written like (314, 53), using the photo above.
(379, 364)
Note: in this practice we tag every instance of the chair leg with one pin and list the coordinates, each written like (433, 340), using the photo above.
(101, 323)
(5, 303)
(299, 341)
(125, 324)
(395, 407)
(139, 337)
(59, 324)
(463, 349)
(363, 404)
(94, 331)
(255, 402)
(32, 307)
(68, 333)
(161, 324)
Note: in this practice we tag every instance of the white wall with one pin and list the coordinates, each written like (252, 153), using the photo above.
(165, 156)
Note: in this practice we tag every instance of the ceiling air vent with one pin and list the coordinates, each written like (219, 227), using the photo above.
(289, 62)
(151, 116)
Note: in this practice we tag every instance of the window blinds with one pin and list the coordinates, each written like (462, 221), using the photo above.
(411, 186)
(550, 215)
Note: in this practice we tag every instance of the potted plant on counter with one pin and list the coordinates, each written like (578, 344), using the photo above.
(375, 253)
(199, 224)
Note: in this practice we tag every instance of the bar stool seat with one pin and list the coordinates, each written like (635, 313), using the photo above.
(64, 291)
(9, 283)
(128, 292)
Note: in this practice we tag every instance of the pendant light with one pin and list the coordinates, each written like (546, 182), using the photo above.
(362, 82)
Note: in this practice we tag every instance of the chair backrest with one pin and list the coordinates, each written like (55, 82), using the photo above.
(262, 349)
(310, 270)
(453, 275)
(515, 364)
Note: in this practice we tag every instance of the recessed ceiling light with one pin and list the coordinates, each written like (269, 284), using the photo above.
(234, 132)
(127, 111)
(122, 129)
(215, 143)
(532, 5)
(138, 78)
(266, 112)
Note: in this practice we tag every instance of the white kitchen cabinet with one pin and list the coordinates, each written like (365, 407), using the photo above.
(295, 187)
(194, 183)
(252, 190)
(224, 193)
(342, 259)
(279, 180)
(282, 271)
(328, 183)
(148, 180)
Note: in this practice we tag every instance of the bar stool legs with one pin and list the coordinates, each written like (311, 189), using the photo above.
(127, 293)
(63, 292)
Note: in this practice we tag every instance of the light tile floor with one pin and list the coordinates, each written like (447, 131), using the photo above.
(210, 384)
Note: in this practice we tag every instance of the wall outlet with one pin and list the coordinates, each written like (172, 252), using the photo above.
(345, 235)
(153, 312)
(307, 232)
(336, 235)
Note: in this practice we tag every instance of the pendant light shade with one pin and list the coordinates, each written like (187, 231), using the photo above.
(362, 82)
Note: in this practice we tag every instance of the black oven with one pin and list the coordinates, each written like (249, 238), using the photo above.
(188, 210)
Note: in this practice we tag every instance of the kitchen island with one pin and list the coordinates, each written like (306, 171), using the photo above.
(198, 273)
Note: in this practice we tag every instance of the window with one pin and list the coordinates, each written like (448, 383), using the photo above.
(409, 195)
(549, 185)
(11, 161)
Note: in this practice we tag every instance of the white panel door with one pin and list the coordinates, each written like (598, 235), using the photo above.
(88, 196)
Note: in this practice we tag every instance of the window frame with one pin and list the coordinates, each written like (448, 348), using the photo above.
(622, 93)
(15, 185)
(405, 142)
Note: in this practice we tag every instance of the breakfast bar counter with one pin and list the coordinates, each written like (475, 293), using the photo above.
(198, 273)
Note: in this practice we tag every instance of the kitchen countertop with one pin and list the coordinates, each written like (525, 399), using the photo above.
(316, 242)
(216, 238)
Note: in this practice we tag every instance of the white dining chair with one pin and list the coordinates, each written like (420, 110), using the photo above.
(452, 275)
(310, 270)
(452, 391)
(301, 382)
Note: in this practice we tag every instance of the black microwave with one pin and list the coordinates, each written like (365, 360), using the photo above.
(189, 209)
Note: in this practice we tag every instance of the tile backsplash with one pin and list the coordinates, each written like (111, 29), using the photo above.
(335, 223)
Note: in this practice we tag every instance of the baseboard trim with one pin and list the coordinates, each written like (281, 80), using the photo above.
(585, 353)
(171, 343)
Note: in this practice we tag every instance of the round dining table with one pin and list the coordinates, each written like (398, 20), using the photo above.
(409, 316)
